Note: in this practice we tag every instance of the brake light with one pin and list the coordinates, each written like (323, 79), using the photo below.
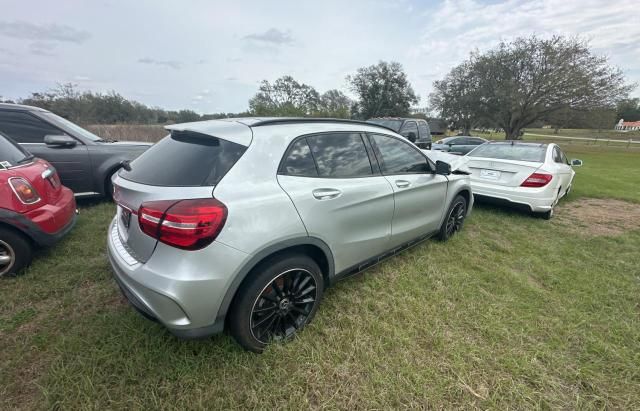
(25, 192)
(186, 224)
(537, 180)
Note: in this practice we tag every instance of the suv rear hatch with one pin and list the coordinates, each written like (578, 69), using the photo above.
(184, 165)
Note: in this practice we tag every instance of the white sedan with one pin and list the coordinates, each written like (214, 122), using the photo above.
(532, 175)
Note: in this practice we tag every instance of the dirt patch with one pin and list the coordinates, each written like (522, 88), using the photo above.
(599, 217)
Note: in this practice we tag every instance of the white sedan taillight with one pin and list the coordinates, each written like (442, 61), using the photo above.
(537, 180)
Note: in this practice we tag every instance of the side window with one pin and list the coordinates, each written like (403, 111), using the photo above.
(340, 155)
(410, 127)
(423, 128)
(299, 161)
(477, 141)
(564, 158)
(557, 157)
(398, 157)
(24, 127)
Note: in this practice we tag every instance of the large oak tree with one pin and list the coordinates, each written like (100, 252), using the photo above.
(382, 90)
(527, 80)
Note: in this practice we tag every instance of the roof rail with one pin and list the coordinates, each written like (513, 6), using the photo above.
(288, 120)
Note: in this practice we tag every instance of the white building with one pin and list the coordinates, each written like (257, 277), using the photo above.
(627, 125)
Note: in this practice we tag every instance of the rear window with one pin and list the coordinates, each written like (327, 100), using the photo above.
(185, 159)
(518, 152)
(10, 153)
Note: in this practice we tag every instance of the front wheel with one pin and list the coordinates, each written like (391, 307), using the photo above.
(454, 219)
(279, 299)
(15, 252)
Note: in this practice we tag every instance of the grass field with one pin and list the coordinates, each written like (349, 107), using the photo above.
(515, 312)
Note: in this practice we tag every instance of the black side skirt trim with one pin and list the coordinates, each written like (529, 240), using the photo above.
(360, 267)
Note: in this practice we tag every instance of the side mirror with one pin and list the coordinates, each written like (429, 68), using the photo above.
(576, 163)
(60, 141)
(442, 168)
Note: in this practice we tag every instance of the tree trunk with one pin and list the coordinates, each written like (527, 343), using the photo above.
(466, 131)
(513, 133)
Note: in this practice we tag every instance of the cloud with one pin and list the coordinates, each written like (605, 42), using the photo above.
(42, 48)
(272, 36)
(461, 26)
(203, 97)
(176, 65)
(41, 32)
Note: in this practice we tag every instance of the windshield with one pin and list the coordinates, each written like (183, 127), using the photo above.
(11, 154)
(67, 125)
(392, 124)
(518, 152)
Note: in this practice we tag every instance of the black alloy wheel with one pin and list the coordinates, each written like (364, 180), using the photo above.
(283, 306)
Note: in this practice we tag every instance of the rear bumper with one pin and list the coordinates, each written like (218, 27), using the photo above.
(183, 290)
(531, 199)
(45, 225)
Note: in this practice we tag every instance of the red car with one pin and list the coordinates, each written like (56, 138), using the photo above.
(35, 209)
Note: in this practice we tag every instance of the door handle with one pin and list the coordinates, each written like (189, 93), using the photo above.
(326, 193)
(402, 183)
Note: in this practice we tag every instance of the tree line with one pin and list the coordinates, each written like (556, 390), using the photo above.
(527, 82)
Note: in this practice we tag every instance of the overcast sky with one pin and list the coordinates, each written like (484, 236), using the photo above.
(210, 55)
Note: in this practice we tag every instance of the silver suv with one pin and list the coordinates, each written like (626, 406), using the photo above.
(242, 223)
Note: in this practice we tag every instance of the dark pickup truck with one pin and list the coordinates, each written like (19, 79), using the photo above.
(413, 129)
(84, 161)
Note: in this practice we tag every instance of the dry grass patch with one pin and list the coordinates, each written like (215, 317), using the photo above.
(600, 217)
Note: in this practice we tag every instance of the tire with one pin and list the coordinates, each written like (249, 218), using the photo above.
(277, 300)
(108, 186)
(454, 219)
(15, 252)
(547, 215)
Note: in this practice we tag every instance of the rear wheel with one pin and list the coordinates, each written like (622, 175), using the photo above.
(277, 301)
(548, 215)
(108, 186)
(15, 252)
(454, 219)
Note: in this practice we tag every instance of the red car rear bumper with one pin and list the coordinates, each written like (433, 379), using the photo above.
(51, 218)
(45, 225)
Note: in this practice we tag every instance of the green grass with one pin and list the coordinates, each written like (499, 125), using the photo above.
(515, 312)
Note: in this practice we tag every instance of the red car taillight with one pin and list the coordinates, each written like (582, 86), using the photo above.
(537, 180)
(187, 224)
(25, 192)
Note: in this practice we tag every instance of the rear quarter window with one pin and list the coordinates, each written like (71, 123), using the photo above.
(185, 159)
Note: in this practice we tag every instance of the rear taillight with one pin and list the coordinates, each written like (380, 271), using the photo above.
(537, 180)
(25, 192)
(187, 224)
